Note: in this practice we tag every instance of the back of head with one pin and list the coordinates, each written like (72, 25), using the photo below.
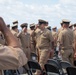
(65, 23)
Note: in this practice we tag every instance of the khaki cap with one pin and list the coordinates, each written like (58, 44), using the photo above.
(65, 21)
(24, 25)
(32, 25)
(54, 27)
(71, 25)
(15, 22)
(15, 25)
(40, 21)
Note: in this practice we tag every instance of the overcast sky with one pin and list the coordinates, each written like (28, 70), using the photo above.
(31, 10)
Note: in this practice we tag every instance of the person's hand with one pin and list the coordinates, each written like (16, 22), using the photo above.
(2, 24)
(23, 30)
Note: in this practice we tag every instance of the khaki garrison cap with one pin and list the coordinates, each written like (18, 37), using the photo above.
(65, 21)
(71, 25)
(24, 25)
(15, 22)
(32, 25)
(40, 21)
(54, 27)
(14, 25)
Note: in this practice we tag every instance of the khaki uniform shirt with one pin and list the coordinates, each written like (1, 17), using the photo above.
(26, 43)
(11, 58)
(44, 39)
(31, 32)
(25, 39)
(54, 34)
(33, 44)
(59, 30)
(66, 38)
(36, 34)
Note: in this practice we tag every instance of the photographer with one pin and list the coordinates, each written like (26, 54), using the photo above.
(11, 56)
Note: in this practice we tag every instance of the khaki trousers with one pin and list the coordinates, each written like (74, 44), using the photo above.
(67, 55)
(43, 57)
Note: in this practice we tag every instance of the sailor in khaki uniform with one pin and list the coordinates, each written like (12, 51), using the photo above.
(54, 32)
(55, 35)
(44, 40)
(66, 42)
(25, 39)
(15, 31)
(61, 28)
(33, 45)
(11, 56)
(52, 51)
(14, 28)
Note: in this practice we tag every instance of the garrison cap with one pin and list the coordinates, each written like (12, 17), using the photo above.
(15, 22)
(66, 21)
(71, 25)
(14, 25)
(54, 27)
(24, 25)
(40, 21)
(32, 25)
